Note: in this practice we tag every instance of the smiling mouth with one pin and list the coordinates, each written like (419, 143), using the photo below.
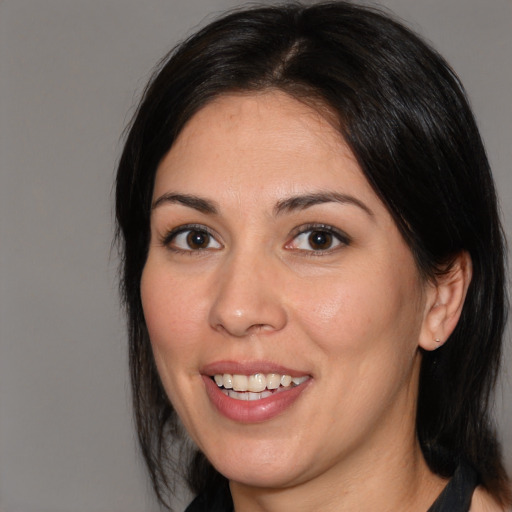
(256, 386)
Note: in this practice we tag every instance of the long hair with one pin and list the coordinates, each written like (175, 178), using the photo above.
(405, 116)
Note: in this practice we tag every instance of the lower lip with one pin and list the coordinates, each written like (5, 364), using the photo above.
(252, 411)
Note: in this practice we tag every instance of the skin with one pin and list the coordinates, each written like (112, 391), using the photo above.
(483, 502)
(352, 316)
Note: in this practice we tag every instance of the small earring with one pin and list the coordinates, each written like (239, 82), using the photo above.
(437, 340)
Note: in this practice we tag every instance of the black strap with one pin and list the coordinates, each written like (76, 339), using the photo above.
(220, 502)
(456, 496)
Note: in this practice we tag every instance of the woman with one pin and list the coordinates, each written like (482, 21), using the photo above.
(313, 269)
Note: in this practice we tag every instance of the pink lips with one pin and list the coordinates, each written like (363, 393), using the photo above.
(254, 411)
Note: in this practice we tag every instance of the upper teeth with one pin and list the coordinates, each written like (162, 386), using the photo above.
(257, 382)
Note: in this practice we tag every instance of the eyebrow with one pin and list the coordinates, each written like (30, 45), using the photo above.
(287, 205)
(307, 200)
(197, 203)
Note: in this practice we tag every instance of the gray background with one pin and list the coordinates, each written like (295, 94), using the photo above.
(70, 73)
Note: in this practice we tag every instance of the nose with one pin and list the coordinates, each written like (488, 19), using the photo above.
(248, 299)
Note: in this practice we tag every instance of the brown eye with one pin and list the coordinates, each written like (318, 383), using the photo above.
(190, 239)
(320, 240)
(198, 239)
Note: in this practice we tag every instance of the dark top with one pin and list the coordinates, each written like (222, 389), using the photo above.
(456, 496)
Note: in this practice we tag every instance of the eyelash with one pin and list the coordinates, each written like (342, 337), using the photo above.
(337, 235)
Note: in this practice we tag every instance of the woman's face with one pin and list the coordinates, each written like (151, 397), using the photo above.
(272, 259)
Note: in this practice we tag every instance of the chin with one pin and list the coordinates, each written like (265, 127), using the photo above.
(261, 466)
(262, 476)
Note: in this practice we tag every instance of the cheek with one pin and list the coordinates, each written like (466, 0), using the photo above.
(172, 317)
(337, 319)
(172, 310)
(362, 310)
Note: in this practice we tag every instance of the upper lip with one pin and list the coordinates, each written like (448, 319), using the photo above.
(249, 368)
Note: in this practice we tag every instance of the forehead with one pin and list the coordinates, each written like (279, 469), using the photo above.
(246, 143)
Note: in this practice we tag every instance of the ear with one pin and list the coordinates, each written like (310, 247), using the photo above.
(444, 301)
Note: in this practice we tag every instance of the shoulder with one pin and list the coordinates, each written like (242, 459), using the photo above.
(483, 502)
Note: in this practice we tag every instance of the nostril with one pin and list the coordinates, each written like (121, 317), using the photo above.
(241, 331)
(259, 328)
